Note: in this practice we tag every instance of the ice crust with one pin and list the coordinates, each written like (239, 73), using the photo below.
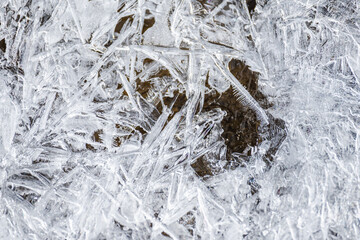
(88, 152)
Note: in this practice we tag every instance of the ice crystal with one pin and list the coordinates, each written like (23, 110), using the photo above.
(179, 119)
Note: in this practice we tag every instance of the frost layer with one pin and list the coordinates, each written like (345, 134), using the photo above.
(101, 119)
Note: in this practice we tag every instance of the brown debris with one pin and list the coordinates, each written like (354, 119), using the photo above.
(96, 136)
(251, 4)
(3, 45)
(148, 22)
(240, 125)
(122, 22)
(202, 167)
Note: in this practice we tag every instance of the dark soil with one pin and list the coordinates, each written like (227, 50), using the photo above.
(240, 125)
(3, 45)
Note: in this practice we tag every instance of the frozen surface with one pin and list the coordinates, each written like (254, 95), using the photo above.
(101, 119)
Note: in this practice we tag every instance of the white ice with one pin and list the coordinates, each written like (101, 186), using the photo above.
(85, 155)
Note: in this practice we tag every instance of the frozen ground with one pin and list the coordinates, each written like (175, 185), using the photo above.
(102, 119)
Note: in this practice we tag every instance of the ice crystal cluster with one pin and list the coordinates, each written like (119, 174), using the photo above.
(113, 112)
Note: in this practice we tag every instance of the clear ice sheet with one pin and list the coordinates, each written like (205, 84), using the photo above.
(87, 153)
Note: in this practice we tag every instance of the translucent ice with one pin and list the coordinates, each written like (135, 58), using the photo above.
(179, 119)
